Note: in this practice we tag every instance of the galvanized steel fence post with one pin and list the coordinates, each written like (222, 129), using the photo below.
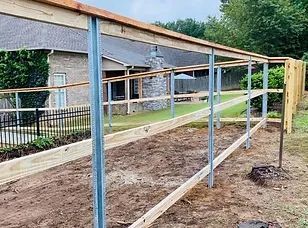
(248, 113)
(128, 95)
(97, 121)
(218, 97)
(211, 119)
(265, 87)
(172, 91)
(110, 107)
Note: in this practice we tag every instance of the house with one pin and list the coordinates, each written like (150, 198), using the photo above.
(67, 56)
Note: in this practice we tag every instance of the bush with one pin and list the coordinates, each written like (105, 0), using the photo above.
(25, 69)
(43, 143)
(275, 81)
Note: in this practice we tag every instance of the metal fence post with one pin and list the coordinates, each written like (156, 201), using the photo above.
(97, 121)
(17, 109)
(265, 87)
(172, 91)
(218, 100)
(248, 105)
(128, 96)
(211, 119)
(37, 120)
(109, 106)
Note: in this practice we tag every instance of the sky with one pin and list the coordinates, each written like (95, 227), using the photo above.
(159, 10)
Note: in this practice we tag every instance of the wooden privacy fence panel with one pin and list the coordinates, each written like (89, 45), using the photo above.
(230, 81)
(295, 72)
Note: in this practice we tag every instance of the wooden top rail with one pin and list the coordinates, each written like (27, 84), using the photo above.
(132, 76)
(74, 14)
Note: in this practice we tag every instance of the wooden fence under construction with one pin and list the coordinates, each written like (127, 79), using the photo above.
(96, 22)
(295, 77)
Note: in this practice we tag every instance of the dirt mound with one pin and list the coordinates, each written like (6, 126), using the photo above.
(265, 175)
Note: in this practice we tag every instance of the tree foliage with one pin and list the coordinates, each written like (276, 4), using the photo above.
(270, 27)
(189, 27)
(25, 69)
(275, 81)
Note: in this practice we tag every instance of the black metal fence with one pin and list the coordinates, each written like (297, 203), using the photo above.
(31, 125)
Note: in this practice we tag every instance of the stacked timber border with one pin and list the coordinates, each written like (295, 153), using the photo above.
(73, 14)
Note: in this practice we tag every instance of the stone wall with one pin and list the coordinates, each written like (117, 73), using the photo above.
(155, 86)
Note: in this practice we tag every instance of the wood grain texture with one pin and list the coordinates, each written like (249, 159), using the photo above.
(74, 14)
(28, 165)
(125, 77)
(147, 219)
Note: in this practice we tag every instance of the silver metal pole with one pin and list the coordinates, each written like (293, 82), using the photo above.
(128, 96)
(110, 107)
(17, 109)
(248, 105)
(172, 91)
(265, 86)
(282, 125)
(218, 101)
(211, 119)
(97, 121)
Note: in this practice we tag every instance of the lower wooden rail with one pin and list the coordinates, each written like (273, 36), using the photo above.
(147, 219)
(31, 164)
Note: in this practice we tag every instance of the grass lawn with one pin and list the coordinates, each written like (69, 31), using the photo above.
(147, 117)
(297, 142)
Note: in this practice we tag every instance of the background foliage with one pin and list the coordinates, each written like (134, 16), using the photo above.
(269, 27)
(25, 69)
(275, 80)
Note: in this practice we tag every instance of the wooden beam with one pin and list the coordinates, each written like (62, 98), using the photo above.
(31, 164)
(43, 12)
(304, 76)
(147, 219)
(276, 60)
(194, 95)
(74, 14)
(125, 77)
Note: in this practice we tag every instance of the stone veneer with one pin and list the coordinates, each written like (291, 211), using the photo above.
(155, 86)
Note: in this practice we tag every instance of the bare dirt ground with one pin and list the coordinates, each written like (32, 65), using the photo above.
(143, 173)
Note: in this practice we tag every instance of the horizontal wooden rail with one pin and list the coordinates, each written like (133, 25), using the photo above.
(171, 199)
(125, 77)
(74, 14)
(31, 164)
(194, 95)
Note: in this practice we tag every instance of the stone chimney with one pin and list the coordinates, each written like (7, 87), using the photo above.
(155, 86)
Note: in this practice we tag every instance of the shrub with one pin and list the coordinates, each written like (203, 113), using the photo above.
(275, 81)
(25, 69)
(43, 143)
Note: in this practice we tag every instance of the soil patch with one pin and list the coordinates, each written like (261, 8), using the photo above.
(258, 224)
(141, 174)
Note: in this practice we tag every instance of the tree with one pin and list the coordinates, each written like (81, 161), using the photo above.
(25, 69)
(189, 26)
(270, 27)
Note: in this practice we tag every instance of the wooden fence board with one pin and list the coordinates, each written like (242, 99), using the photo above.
(147, 219)
(28, 165)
